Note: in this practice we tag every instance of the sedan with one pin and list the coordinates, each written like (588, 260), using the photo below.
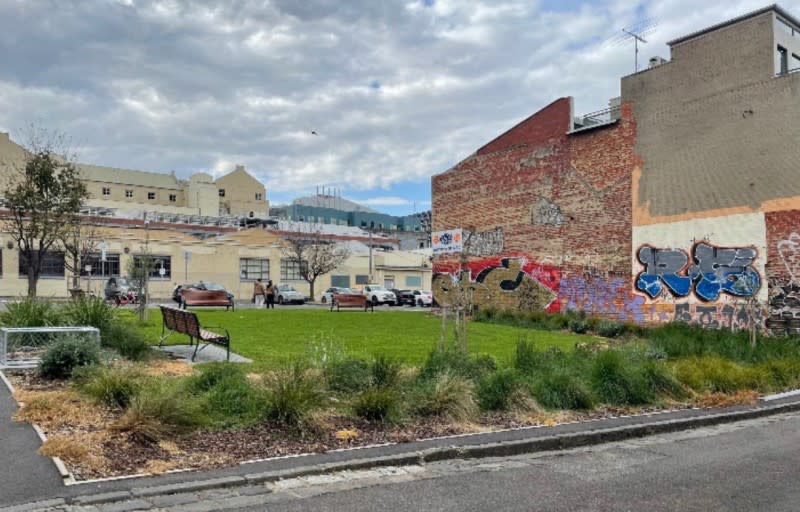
(202, 294)
(423, 298)
(328, 294)
(404, 297)
(285, 294)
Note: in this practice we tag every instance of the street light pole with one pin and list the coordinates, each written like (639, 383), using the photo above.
(370, 256)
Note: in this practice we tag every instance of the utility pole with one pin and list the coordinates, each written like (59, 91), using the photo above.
(370, 256)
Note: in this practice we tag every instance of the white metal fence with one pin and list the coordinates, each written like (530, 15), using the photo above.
(21, 347)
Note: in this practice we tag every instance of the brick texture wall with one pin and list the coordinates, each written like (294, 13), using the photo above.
(561, 201)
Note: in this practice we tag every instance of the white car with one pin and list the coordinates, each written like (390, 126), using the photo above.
(423, 298)
(379, 295)
(285, 294)
(328, 294)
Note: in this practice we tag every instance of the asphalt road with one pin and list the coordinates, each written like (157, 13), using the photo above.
(747, 466)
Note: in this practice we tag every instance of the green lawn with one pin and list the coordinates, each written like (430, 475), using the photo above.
(269, 337)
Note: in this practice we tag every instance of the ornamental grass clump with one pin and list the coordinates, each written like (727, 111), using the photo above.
(377, 404)
(226, 396)
(620, 380)
(561, 389)
(159, 410)
(348, 375)
(449, 397)
(291, 395)
(114, 387)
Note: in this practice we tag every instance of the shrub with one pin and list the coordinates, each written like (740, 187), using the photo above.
(63, 356)
(91, 311)
(527, 359)
(562, 390)
(377, 404)
(578, 326)
(31, 312)
(385, 371)
(348, 375)
(110, 386)
(208, 376)
(291, 395)
(619, 380)
(610, 329)
(499, 391)
(447, 396)
(160, 409)
(661, 380)
(126, 339)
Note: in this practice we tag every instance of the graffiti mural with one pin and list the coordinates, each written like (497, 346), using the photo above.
(784, 309)
(599, 296)
(512, 282)
(715, 270)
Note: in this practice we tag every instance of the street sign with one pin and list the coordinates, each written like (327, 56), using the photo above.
(162, 271)
(444, 242)
(187, 255)
(87, 268)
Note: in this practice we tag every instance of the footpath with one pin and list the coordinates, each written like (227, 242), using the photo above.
(30, 482)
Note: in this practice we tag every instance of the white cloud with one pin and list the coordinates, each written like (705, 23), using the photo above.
(160, 85)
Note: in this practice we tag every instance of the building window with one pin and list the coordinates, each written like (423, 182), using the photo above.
(362, 279)
(128, 193)
(157, 264)
(340, 281)
(222, 192)
(413, 281)
(108, 268)
(259, 195)
(106, 191)
(291, 271)
(781, 61)
(52, 265)
(151, 195)
(253, 268)
(794, 65)
(173, 198)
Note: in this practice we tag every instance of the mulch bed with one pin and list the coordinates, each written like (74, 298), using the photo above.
(118, 453)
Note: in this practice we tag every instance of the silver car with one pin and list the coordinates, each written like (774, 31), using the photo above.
(285, 294)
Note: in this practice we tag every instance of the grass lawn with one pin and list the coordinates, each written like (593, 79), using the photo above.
(270, 337)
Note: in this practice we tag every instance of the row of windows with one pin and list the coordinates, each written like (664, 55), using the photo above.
(250, 269)
(129, 194)
(259, 195)
(785, 62)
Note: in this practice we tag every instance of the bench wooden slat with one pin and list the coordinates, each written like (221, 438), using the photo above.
(186, 322)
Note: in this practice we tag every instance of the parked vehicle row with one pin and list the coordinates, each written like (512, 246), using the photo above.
(377, 294)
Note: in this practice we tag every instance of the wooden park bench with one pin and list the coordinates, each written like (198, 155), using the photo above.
(186, 322)
(347, 300)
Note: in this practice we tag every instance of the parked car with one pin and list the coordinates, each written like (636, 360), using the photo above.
(117, 287)
(423, 298)
(379, 295)
(202, 294)
(328, 294)
(285, 294)
(404, 297)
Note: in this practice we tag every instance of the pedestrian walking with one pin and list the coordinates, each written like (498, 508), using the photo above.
(270, 291)
(258, 293)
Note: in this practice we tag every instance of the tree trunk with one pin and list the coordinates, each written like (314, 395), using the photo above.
(311, 289)
(33, 280)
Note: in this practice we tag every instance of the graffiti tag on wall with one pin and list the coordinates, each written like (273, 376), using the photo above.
(546, 213)
(610, 297)
(484, 243)
(715, 270)
(716, 316)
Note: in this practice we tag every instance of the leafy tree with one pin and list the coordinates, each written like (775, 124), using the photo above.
(316, 253)
(44, 199)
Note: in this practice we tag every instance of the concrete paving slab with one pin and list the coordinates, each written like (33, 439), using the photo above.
(207, 354)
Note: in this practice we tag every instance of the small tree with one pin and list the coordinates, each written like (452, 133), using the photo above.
(79, 242)
(44, 198)
(138, 270)
(316, 255)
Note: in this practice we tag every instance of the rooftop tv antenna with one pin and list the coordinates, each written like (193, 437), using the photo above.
(637, 33)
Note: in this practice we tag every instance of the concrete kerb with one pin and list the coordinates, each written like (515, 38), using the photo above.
(500, 449)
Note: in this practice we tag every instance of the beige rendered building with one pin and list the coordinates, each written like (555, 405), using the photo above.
(132, 192)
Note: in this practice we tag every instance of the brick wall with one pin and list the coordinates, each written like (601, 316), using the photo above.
(559, 202)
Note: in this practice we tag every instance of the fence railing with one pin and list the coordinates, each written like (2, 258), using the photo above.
(597, 118)
(20, 347)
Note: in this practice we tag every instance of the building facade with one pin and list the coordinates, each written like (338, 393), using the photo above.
(683, 203)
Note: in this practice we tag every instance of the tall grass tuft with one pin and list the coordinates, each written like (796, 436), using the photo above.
(292, 395)
(561, 389)
(377, 404)
(127, 339)
(31, 312)
(347, 375)
(449, 397)
(159, 410)
(90, 311)
(111, 386)
(385, 371)
(619, 380)
(500, 391)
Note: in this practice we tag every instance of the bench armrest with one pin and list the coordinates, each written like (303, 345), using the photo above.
(227, 334)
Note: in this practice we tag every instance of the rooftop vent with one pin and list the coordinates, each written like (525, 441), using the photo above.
(657, 61)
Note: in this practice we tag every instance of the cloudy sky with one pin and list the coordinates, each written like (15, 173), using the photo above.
(396, 91)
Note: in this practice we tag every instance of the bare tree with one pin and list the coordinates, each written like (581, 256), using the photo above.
(139, 268)
(315, 254)
(44, 197)
(79, 242)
